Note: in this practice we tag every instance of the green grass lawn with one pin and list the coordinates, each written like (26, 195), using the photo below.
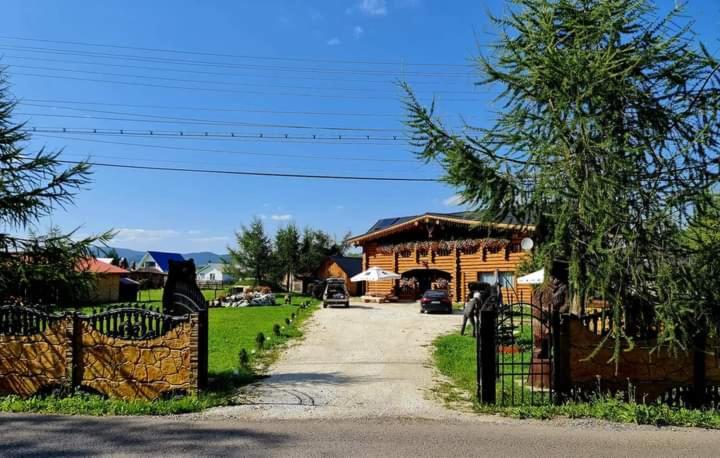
(454, 356)
(230, 330)
(154, 296)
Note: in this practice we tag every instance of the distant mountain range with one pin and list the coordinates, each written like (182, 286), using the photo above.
(200, 258)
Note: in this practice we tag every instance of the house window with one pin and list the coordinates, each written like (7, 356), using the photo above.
(211, 276)
(506, 279)
(149, 263)
(486, 277)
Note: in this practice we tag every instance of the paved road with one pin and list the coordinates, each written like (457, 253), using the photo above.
(33, 435)
(369, 360)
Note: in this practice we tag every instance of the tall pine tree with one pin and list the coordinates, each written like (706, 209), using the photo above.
(606, 138)
(38, 268)
(253, 255)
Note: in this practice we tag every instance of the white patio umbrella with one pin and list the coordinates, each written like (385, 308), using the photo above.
(375, 274)
(534, 278)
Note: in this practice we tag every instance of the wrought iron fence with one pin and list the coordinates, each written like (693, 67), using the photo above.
(133, 322)
(20, 320)
(516, 352)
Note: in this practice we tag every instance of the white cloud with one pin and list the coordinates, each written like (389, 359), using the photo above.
(358, 32)
(340, 207)
(453, 201)
(334, 41)
(369, 8)
(133, 234)
(285, 217)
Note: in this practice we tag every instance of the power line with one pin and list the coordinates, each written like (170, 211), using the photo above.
(259, 174)
(230, 83)
(247, 153)
(239, 56)
(172, 162)
(163, 60)
(219, 110)
(193, 121)
(219, 136)
(206, 134)
(231, 91)
(264, 76)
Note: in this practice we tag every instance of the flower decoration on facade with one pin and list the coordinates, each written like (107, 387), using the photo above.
(446, 245)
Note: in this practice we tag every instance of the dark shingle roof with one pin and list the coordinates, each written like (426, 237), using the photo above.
(351, 266)
(162, 259)
(468, 216)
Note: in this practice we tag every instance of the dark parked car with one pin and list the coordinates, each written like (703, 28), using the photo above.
(436, 300)
(336, 293)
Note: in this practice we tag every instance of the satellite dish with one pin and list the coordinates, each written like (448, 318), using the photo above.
(527, 244)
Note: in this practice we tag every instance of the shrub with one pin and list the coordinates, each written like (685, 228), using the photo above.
(287, 321)
(244, 359)
(260, 340)
(292, 316)
(276, 329)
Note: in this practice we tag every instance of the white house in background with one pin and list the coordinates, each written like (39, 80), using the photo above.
(213, 271)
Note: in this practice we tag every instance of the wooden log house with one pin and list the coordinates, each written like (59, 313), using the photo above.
(443, 250)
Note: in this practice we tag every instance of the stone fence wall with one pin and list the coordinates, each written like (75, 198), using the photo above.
(33, 360)
(127, 353)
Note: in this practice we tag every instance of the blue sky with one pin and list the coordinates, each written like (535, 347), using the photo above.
(248, 68)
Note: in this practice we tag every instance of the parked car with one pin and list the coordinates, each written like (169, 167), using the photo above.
(336, 293)
(436, 300)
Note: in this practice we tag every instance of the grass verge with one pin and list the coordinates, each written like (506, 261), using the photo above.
(231, 330)
(454, 357)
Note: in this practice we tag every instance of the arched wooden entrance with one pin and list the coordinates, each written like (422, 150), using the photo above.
(415, 282)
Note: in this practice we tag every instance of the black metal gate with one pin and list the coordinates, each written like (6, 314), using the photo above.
(515, 352)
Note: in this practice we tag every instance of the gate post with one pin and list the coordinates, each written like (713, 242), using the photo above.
(203, 350)
(486, 363)
(560, 330)
(698, 399)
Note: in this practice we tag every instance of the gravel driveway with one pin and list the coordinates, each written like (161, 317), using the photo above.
(371, 360)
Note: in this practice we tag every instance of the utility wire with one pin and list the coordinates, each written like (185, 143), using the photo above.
(230, 91)
(191, 121)
(219, 110)
(233, 83)
(215, 136)
(259, 174)
(282, 168)
(264, 76)
(245, 153)
(238, 56)
(164, 60)
(206, 134)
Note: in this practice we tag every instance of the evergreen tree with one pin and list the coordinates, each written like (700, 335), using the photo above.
(315, 247)
(606, 139)
(252, 257)
(113, 254)
(287, 252)
(38, 268)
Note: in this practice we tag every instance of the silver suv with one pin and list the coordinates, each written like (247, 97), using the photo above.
(336, 293)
